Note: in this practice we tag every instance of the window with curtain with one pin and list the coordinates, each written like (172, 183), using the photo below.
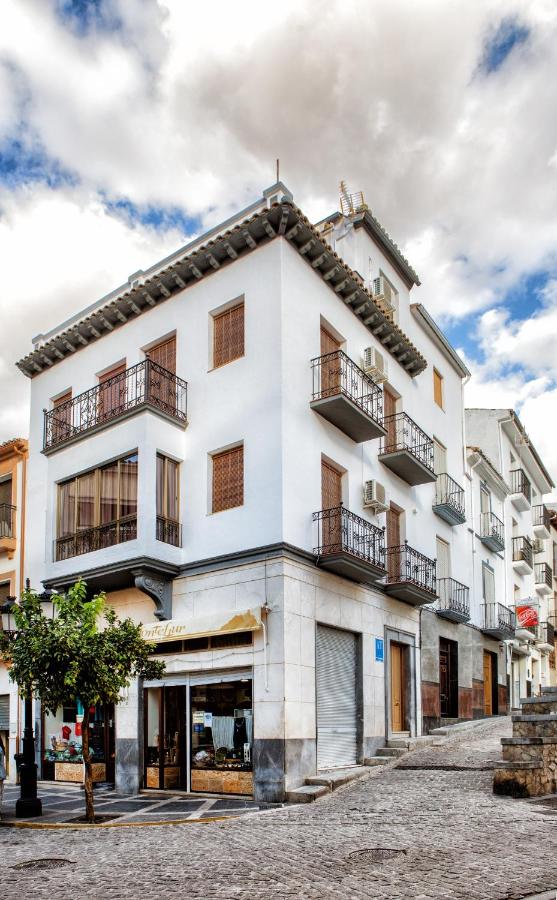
(98, 509)
(228, 335)
(228, 479)
(168, 506)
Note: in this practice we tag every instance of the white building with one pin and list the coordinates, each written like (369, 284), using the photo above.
(13, 477)
(213, 454)
(516, 525)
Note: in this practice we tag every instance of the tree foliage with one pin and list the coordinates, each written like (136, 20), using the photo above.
(83, 652)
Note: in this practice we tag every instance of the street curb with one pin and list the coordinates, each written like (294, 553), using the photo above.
(44, 826)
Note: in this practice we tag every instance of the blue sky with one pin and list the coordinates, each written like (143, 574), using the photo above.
(130, 125)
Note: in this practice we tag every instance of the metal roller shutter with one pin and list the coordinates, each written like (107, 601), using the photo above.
(336, 698)
(4, 712)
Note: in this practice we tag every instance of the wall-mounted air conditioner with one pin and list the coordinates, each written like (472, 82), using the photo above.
(383, 290)
(374, 496)
(375, 364)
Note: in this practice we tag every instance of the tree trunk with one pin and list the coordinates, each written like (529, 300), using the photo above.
(88, 768)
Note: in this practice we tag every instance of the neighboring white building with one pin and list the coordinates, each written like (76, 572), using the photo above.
(257, 448)
(522, 578)
(13, 477)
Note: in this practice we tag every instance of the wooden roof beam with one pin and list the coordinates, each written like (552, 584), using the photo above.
(341, 285)
(107, 324)
(249, 239)
(213, 261)
(133, 306)
(47, 359)
(269, 228)
(330, 274)
(197, 272)
(119, 314)
(307, 246)
(283, 219)
(163, 289)
(318, 260)
(292, 232)
(59, 353)
(94, 331)
(80, 337)
(150, 300)
(230, 250)
(179, 281)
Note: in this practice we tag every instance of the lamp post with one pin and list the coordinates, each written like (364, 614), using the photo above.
(28, 804)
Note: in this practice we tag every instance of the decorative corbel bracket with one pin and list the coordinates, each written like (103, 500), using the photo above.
(158, 588)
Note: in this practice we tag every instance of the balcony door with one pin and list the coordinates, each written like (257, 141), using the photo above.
(6, 508)
(389, 409)
(443, 559)
(112, 393)
(393, 540)
(162, 388)
(330, 369)
(331, 499)
(398, 687)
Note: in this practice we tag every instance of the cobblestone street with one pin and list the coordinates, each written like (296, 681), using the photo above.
(429, 827)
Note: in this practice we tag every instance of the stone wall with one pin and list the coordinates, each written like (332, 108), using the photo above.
(530, 756)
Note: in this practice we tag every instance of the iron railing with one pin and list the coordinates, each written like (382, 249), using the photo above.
(169, 531)
(404, 434)
(342, 531)
(520, 483)
(335, 373)
(522, 551)
(543, 575)
(7, 520)
(449, 492)
(497, 617)
(145, 384)
(406, 565)
(545, 633)
(541, 517)
(452, 596)
(492, 527)
(97, 538)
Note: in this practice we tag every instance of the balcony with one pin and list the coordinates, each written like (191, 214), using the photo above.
(545, 637)
(406, 450)
(349, 545)
(7, 529)
(523, 555)
(169, 531)
(498, 621)
(543, 579)
(410, 575)
(521, 490)
(98, 538)
(453, 601)
(449, 500)
(347, 397)
(143, 386)
(492, 532)
(541, 520)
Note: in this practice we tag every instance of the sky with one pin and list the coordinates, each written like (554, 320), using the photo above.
(128, 126)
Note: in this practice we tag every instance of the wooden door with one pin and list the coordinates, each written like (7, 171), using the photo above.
(488, 685)
(444, 680)
(112, 394)
(331, 499)
(398, 712)
(331, 369)
(393, 540)
(389, 410)
(162, 386)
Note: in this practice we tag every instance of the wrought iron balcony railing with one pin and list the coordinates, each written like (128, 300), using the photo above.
(408, 566)
(144, 385)
(520, 483)
(169, 531)
(541, 517)
(97, 538)
(492, 531)
(342, 531)
(543, 575)
(335, 373)
(7, 520)
(545, 633)
(522, 551)
(449, 499)
(453, 599)
(498, 619)
(404, 434)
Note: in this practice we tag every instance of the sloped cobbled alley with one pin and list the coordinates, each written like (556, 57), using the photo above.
(429, 827)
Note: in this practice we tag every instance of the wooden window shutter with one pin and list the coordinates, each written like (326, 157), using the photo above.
(438, 388)
(331, 486)
(164, 355)
(228, 479)
(228, 335)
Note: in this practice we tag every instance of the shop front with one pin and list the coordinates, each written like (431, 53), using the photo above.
(62, 738)
(198, 733)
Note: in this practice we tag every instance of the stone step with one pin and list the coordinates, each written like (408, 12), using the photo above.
(307, 793)
(550, 689)
(538, 705)
(377, 760)
(535, 717)
(335, 778)
(526, 741)
(447, 730)
(393, 752)
(518, 765)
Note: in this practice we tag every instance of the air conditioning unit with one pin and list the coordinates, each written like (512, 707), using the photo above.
(375, 364)
(538, 545)
(374, 496)
(382, 289)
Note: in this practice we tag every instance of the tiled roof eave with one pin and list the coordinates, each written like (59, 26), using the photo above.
(281, 220)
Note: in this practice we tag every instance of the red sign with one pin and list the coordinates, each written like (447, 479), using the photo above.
(526, 616)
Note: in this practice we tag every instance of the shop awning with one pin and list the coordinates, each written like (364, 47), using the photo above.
(204, 626)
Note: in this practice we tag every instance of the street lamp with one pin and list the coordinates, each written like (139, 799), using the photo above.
(28, 805)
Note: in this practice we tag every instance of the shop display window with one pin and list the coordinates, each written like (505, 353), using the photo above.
(222, 737)
(63, 742)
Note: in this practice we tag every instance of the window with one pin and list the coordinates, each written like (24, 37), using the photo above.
(168, 506)
(443, 559)
(62, 419)
(98, 509)
(228, 335)
(6, 509)
(485, 499)
(439, 457)
(554, 559)
(488, 583)
(438, 388)
(113, 391)
(228, 479)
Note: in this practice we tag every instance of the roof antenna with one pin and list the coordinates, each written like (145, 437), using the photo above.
(351, 203)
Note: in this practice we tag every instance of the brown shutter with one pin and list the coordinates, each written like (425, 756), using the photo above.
(438, 388)
(164, 355)
(330, 368)
(228, 335)
(228, 479)
(393, 540)
(389, 409)
(112, 397)
(331, 486)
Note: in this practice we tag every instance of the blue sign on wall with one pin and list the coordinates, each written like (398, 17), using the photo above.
(379, 650)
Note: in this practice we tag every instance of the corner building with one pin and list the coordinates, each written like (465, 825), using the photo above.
(248, 447)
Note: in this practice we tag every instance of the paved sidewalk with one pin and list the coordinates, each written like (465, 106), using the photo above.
(417, 833)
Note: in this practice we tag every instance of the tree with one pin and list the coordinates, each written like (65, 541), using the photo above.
(82, 654)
